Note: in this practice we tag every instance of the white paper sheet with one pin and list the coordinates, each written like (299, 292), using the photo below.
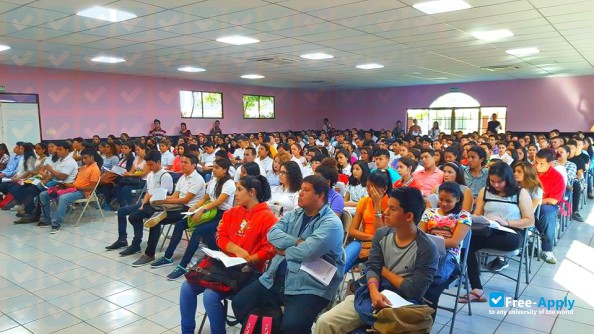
(319, 269)
(158, 194)
(118, 170)
(6, 179)
(492, 224)
(395, 299)
(228, 261)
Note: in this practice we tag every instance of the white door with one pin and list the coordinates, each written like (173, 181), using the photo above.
(19, 122)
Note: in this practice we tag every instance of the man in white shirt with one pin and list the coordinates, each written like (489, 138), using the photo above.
(166, 155)
(249, 155)
(157, 178)
(238, 154)
(207, 159)
(62, 171)
(189, 189)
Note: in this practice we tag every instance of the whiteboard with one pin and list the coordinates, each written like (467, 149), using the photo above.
(19, 122)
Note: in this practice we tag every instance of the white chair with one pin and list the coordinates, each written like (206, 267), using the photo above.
(86, 201)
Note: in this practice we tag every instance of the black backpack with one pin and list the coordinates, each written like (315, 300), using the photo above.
(262, 321)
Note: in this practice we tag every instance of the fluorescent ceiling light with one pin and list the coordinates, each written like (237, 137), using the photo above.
(523, 52)
(317, 56)
(237, 40)
(106, 14)
(369, 66)
(109, 60)
(492, 35)
(441, 6)
(4, 47)
(191, 69)
(252, 76)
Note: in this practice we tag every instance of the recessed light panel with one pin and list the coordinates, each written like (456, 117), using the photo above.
(252, 76)
(492, 35)
(441, 6)
(237, 40)
(191, 69)
(317, 56)
(523, 52)
(109, 60)
(106, 14)
(369, 66)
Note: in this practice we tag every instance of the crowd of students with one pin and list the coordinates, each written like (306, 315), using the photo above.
(276, 200)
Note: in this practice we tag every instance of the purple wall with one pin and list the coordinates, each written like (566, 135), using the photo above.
(77, 103)
(533, 104)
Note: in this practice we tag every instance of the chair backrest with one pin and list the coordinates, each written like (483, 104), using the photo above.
(433, 200)
(341, 188)
(94, 192)
(346, 219)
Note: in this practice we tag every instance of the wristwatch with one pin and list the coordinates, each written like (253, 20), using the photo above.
(378, 214)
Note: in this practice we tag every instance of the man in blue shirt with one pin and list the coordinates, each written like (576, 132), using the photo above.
(13, 163)
(310, 232)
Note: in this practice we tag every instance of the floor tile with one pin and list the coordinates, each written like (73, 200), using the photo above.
(34, 312)
(129, 297)
(143, 326)
(113, 320)
(80, 328)
(17, 330)
(563, 326)
(507, 328)
(92, 309)
(6, 323)
(19, 302)
(538, 322)
(150, 306)
(72, 300)
(108, 289)
(57, 291)
(53, 323)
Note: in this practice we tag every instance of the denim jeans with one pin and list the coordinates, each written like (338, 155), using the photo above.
(122, 222)
(206, 231)
(188, 300)
(123, 192)
(64, 202)
(546, 225)
(352, 251)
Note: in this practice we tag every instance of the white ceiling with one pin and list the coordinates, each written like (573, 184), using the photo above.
(415, 48)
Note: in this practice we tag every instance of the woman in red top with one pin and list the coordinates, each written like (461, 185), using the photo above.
(406, 167)
(241, 233)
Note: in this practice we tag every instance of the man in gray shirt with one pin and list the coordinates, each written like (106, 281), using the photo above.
(402, 259)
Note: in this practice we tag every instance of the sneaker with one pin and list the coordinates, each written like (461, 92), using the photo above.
(162, 262)
(18, 207)
(590, 196)
(548, 257)
(155, 219)
(117, 245)
(144, 260)
(132, 249)
(497, 265)
(577, 217)
(26, 219)
(43, 224)
(178, 272)
(55, 230)
(20, 213)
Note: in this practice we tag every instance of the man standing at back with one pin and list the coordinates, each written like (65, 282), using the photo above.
(311, 232)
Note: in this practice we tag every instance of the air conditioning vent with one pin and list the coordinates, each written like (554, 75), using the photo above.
(277, 60)
(501, 67)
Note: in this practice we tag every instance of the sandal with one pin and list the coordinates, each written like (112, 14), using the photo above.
(474, 298)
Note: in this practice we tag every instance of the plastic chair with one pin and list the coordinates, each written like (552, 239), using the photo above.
(340, 187)
(346, 219)
(166, 235)
(86, 201)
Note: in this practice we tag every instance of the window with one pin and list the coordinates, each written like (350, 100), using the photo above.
(456, 112)
(201, 104)
(257, 106)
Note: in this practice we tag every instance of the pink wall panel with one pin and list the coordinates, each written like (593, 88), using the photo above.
(77, 103)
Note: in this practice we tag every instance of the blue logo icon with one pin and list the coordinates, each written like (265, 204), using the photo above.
(496, 299)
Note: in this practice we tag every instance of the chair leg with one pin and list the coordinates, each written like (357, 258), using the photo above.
(165, 237)
(100, 209)
(466, 280)
(82, 213)
(202, 324)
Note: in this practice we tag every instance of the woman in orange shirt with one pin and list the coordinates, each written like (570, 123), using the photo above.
(368, 218)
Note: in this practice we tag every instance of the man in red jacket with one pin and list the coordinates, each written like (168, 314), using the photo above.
(553, 189)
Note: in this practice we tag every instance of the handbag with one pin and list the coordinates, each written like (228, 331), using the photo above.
(212, 274)
(57, 191)
(129, 181)
(107, 178)
(205, 217)
(404, 320)
(264, 321)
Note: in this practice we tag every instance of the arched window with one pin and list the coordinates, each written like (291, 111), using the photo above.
(456, 111)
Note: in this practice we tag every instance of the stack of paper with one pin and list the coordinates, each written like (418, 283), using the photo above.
(158, 194)
(118, 170)
(395, 299)
(228, 261)
(319, 269)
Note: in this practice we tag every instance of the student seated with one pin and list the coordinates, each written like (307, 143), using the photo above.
(85, 182)
(367, 218)
(329, 171)
(286, 194)
(241, 233)
(503, 201)
(431, 176)
(402, 259)
(132, 180)
(310, 232)
(188, 190)
(357, 187)
(475, 175)
(406, 166)
(157, 178)
(381, 158)
(219, 195)
(453, 172)
(450, 221)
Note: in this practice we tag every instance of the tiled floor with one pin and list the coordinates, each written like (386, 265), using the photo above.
(68, 283)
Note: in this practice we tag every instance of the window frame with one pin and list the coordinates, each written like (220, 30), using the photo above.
(202, 99)
(259, 109)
